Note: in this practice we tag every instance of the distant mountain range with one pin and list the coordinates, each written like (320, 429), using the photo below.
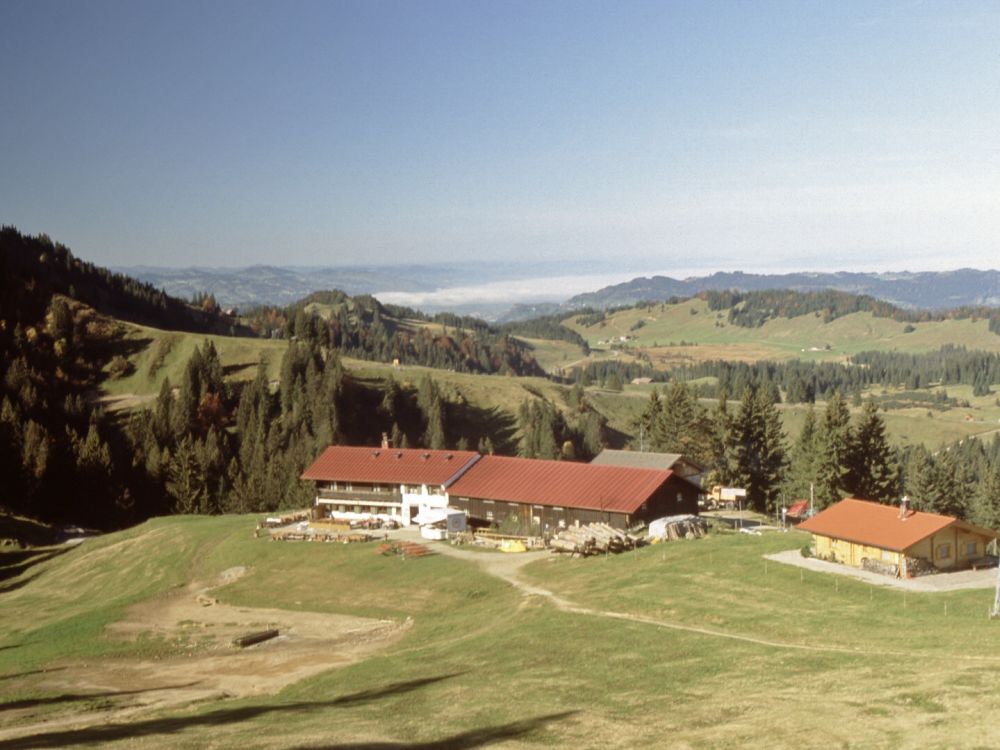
(930, 290)
(422, 283)
(282, 285)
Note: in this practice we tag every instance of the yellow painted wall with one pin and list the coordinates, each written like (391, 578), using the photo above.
(852, 554)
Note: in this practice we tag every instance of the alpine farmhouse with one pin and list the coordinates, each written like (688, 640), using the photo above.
(404, 482)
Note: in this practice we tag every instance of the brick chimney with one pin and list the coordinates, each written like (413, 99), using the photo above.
(903, 502)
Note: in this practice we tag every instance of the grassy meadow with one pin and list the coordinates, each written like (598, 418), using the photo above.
(690, 332)
(689, 644)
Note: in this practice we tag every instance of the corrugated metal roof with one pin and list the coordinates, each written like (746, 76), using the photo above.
(566, 484)
(877, 525)
(636, 459)
(388, 465)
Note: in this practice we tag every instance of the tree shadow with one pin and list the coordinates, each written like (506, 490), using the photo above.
(14, 564)
(616, 438)
(462, 741)
(77, 697)
(98, 735)
(17, 675)
(6, 588)
(395, 688)
(475, 422)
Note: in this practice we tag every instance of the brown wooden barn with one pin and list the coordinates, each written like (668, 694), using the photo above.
(554, 494)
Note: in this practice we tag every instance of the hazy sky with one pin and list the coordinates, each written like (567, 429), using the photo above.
(684, 135)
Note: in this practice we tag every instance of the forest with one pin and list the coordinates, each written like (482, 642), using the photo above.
(207, 444)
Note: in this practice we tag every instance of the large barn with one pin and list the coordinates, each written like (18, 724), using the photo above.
(554, 494)
(895, 539)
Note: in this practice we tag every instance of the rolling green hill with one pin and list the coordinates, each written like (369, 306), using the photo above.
(688, 332)
(691, 643)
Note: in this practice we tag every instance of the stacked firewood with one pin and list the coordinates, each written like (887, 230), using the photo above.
(593, 539)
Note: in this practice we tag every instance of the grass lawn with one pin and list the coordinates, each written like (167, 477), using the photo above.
(686, 644)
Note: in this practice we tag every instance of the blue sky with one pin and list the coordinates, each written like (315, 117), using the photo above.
(681, 136)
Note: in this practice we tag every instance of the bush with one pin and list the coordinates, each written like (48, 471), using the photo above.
(806, 550)
(119, 367)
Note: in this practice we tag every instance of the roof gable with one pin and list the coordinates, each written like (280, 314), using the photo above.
(875, 524)
(389, 465)
(614, 489)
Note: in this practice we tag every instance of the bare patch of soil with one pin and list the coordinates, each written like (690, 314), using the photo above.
(202, 664)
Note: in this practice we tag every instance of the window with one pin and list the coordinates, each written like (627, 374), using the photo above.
(489, 515)
(944, 551)
(488, 502)
(971, 549)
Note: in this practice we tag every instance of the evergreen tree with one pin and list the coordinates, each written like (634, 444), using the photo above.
(757, 449)
(834, 445)
(805, 457)
(872, 469)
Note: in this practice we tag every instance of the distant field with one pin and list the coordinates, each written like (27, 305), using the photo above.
(688, 644)
(689, 332)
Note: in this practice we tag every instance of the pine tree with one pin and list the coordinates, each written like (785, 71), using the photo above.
(984, 509)
(757, 449)
(873, 472)
(834, 445)
(804, 459)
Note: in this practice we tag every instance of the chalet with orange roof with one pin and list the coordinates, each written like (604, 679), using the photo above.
(895, 539)
(554, 494)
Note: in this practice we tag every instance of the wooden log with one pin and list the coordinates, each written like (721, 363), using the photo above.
(253, 638)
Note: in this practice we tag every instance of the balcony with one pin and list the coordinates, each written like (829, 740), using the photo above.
(358, 497)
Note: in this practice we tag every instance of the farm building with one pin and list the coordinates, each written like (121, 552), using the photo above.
(397, 482)
(894, 539)
(555, 494)
(679, 464)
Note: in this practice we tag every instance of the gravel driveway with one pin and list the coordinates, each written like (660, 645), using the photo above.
(963, 579)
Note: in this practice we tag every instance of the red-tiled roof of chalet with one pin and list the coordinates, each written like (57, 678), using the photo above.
(388, 465)
(877, 525)
(566, 484)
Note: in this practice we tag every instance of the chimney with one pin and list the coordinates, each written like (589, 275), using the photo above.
(903, 501)
(385, 441)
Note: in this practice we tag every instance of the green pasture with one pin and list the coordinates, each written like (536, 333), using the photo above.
(157, 354)
(688, 644)
(690, 331)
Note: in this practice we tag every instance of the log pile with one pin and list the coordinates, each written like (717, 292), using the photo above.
(593, 539)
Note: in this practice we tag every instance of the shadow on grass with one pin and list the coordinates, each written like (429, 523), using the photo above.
(98, 735)
(366, 696)
(16, 675)
(6, 588)
(462, 741)
(14, 564)
(76, 697)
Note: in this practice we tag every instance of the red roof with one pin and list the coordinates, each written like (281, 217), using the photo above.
(878, 525)
(797, 509)
(617, 489)
(388, 465)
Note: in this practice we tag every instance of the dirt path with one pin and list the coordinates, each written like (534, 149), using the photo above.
(507, 566)
(202, 665)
